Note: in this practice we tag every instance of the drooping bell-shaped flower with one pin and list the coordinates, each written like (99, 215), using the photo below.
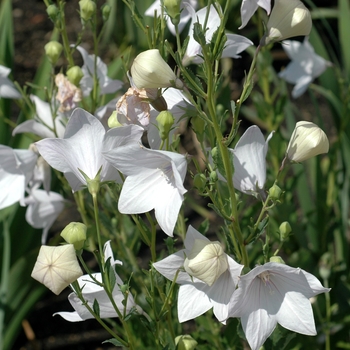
(149, 70)
(57, 267)
(307, 141)
(288, 18)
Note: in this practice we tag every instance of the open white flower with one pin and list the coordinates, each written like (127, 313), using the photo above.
(288, 18)
(149, 70)
(196, 296)
(7, 88)
(306, 65)
(184, 15)
(43, 123)
(234, 45)
(43, 209)
(81, 148)
(93, 292)
(107, 85)
(56, 267)
(307, 141)
(275, 293)
(154, 181)
(16, 171)
(249, 7)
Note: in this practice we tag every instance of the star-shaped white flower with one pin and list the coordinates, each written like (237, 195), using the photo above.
(56, 267)
(7, 88)
(185, 16)
(195, 296)
(43, 122)
(107, 85)
(275, 293)
(306, 65)
(16, 171)
(154, 181)
(249, 162)
(81, 149)
(43, 209)
(93, 292)
(234, 45)
(249, 7)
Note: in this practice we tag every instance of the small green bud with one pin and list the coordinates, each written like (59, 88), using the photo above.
(52, 11)
(106, 11)
(75, 233)
(213, 176)
(277, 259)
(87, 9)
(200, 181)
(214, 153)
(124, 288)
(113, 121)
(275, 192)
(53, 50)
(172, 8)
(165, 121)
(185, 342)
(325, 266)
(285, 230)
(74, 75)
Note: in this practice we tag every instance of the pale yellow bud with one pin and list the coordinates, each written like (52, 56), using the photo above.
(75, 233)
(113, 121)
(288, 18)
(172, 8)
(207, 261)
(185, 342)
(74, 75)
(87, 9)
(307, 141)
(277, 259)
(57, 267)
(165, 121)
(149, 70)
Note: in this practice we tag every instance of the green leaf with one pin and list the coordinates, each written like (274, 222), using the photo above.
(96, 307)
(344, 30)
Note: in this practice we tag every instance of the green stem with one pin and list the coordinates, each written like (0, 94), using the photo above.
(153, 237)
(98, 232)
(65, 41)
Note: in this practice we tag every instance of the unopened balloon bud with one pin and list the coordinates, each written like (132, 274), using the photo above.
(185, 342)
(165, 122)
(172, 8)
(74, 75)
(200, 182)
(277, 259)
(75, 233)
(106, 11)
(87, 9)
(53, 50)
(207, 261)
(285, 230)
(275, 192)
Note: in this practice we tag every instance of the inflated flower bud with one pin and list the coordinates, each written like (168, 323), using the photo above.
(53, 50)
(288, 18)
(172, 8)
(213, 176)
(57, 267)
(52, 11)
(277, 259)
(285, 230)
(200, 182)
(87, 9)
(198, 125)
(207, 261)
(185, 342)
(106, 11)
(165, 122)
(75, 233)
(275, 192)
(307, 141)
(74, 75)
(149, 70)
